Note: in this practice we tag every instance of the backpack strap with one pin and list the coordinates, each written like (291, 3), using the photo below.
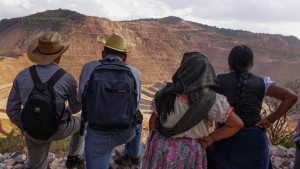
(52, 81)
(56, 76)
(35, 77)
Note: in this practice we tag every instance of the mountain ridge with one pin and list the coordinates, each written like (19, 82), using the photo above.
(158, 43)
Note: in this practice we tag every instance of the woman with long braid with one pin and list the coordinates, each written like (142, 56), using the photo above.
(248, 149)
(182, 114)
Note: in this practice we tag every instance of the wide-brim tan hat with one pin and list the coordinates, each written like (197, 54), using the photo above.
(46, 48)
(115, 41)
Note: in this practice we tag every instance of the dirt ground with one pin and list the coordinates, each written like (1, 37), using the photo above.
(145, 131)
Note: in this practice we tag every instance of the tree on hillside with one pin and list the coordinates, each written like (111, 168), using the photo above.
(285, 127)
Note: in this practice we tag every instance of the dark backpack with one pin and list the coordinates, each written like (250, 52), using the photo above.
(39, 116)
(109, 100)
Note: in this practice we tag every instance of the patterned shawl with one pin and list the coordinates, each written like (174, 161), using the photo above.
(195, 73)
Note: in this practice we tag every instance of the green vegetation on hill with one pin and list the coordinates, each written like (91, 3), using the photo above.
(60, 13)
(55, 24)
(56, 20)
(291, 40)
(6, 23)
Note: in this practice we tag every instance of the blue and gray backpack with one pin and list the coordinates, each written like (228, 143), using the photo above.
(109, 100)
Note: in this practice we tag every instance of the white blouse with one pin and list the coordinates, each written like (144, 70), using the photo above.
(219, 113)
(268, 82)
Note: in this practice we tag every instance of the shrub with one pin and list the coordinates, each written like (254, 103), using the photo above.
(285, 127)
(14, 142)
(288, 143)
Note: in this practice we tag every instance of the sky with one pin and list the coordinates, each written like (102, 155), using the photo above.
(258, 16)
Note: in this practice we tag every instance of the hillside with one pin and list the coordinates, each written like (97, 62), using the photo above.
(158, 44)
(16, 33)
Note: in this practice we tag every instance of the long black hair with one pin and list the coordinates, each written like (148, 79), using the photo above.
(240, 61)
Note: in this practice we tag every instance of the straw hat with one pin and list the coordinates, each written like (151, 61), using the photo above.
(46, 48)
(115, 42)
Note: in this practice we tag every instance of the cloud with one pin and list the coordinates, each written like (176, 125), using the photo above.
(255, 10)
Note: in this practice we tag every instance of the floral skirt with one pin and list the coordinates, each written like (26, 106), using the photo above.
(173, 153)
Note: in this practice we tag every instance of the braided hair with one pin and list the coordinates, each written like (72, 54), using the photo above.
(240, 61)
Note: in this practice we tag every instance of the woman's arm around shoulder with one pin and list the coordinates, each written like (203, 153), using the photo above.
(232, 125)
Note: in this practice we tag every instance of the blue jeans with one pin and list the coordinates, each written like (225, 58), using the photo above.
(296, 139)
(297, 158)
(99, 145)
